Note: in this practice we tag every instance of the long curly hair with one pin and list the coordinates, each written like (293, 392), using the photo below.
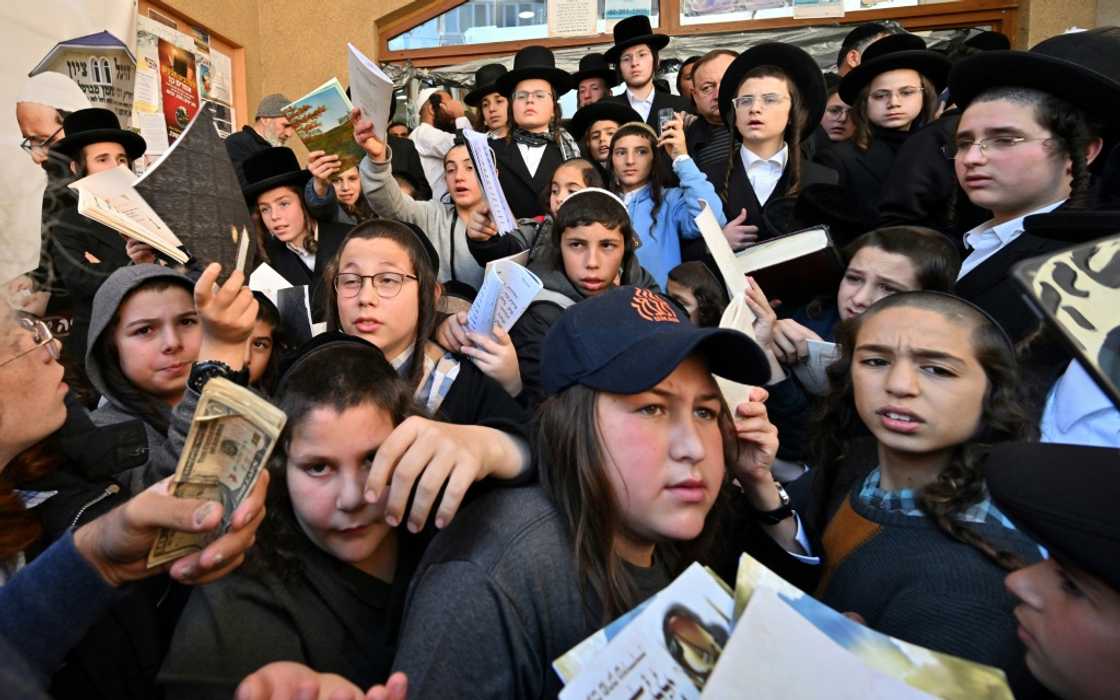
(960, 484)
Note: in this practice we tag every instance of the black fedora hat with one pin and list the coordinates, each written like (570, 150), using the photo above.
(535, 62)
(894, 52)
(485, 83)
(594, 65)
(1081, 68)
(271, 168)
(795, 62)
(600, 111)
(631, 32)
(1071, 510)
(988, 41)
(97, 125)
(1074, 226)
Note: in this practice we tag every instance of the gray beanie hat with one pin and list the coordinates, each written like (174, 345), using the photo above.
(271, 105)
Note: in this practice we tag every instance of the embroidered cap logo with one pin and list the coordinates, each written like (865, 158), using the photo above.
(652, 307)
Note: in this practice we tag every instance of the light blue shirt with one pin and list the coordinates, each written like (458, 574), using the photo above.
(1078, 413)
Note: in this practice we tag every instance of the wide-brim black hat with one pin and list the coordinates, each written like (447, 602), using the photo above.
(795, 62)
(97, 125)
(1081, 68)
(485, 83)
(895, 52)
(631, 32)
(535, 62)
(1073, 226)
(594, 65)
(988, 41)
(1070, 510)
(600, 111)
(271, 168)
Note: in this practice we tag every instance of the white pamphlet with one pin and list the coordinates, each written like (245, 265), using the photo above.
(811, 373)
(370, 91)
(508, 288)
(487, 172)
(729, 266)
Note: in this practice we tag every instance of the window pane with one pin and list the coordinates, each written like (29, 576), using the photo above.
(488, 21)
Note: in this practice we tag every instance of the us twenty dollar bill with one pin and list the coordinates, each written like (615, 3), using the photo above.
(231, 437)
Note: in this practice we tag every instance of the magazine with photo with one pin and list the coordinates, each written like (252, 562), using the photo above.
(321, 119)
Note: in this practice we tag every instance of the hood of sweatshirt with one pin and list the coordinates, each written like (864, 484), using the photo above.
(108, 299)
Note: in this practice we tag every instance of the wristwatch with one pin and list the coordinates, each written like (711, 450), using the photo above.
(202, 372)
(773, 517)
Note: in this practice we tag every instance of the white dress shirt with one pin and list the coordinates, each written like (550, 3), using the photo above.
(641, 106)
(986, 240)
(1078, 413)
(532, 156)
(764, 173)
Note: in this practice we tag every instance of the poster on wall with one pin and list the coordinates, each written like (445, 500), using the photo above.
(179, 86)
(808, 9)
(101, 64)
(618, 9)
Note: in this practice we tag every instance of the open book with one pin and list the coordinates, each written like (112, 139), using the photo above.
(321, 118)
(508, 288)
(796, 267)
(110, 198)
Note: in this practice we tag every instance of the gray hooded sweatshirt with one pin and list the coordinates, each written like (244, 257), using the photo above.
(113, 408)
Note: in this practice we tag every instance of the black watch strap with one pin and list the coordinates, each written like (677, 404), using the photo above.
(773, 517)
(202, 372)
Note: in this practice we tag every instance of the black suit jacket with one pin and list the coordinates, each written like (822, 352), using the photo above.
(862, 174)
(990, 286)
(242, 144)
(921, 187)
(523, 191)
(740, 195)
(288, 264)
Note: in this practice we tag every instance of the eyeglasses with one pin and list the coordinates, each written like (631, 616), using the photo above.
(41, 335)
(996, 144)
(838, 111)
(903, 93)
(386, 284)
(766, 101)
(34, 144)
(536, 95)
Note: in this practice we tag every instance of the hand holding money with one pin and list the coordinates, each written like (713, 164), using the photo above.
(117, 543)
(232, 435)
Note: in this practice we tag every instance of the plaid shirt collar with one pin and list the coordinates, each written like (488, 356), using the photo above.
(905, 502)
(437, 380)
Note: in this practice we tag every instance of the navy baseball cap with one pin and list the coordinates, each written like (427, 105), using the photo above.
(626, 340)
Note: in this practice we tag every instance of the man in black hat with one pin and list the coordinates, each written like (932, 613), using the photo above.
(635, 53)
(1069, 611)
(83, 252)
(594, 79)
(594, 125)
(1079, 69)
(492, 106)
(536, 145)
